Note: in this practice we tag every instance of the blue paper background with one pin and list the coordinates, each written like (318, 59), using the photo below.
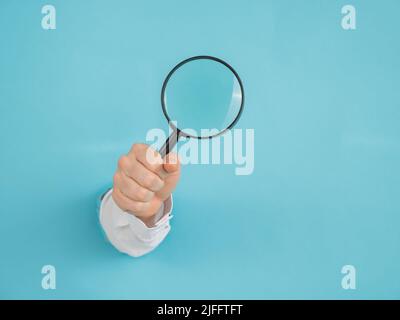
(325, 106)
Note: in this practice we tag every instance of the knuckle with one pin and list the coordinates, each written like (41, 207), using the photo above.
(117, 179)
(118, 200)
(138, 148)
(150, 180)
(134, 148)
(143, 194)
(130, 189)
(123, 162)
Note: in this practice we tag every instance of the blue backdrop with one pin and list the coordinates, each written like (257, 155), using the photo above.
(325, 107)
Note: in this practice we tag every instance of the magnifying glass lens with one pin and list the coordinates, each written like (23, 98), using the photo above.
(201, 98)
(201, 95)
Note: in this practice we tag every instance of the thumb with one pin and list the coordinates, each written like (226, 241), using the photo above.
(171, 163)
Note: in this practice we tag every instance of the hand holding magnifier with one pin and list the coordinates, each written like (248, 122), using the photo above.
(203, 94)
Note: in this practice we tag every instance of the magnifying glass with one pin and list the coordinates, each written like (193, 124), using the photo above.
(202, 97)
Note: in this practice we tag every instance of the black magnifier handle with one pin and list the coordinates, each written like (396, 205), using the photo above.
(169, 143)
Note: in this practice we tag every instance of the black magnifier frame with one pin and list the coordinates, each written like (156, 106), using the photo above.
(177, 133)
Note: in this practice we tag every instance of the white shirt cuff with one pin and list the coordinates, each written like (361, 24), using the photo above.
(128, 233)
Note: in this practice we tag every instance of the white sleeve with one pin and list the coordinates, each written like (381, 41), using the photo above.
(128, 233)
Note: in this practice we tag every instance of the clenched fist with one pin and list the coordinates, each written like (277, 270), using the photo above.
(143, 181)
